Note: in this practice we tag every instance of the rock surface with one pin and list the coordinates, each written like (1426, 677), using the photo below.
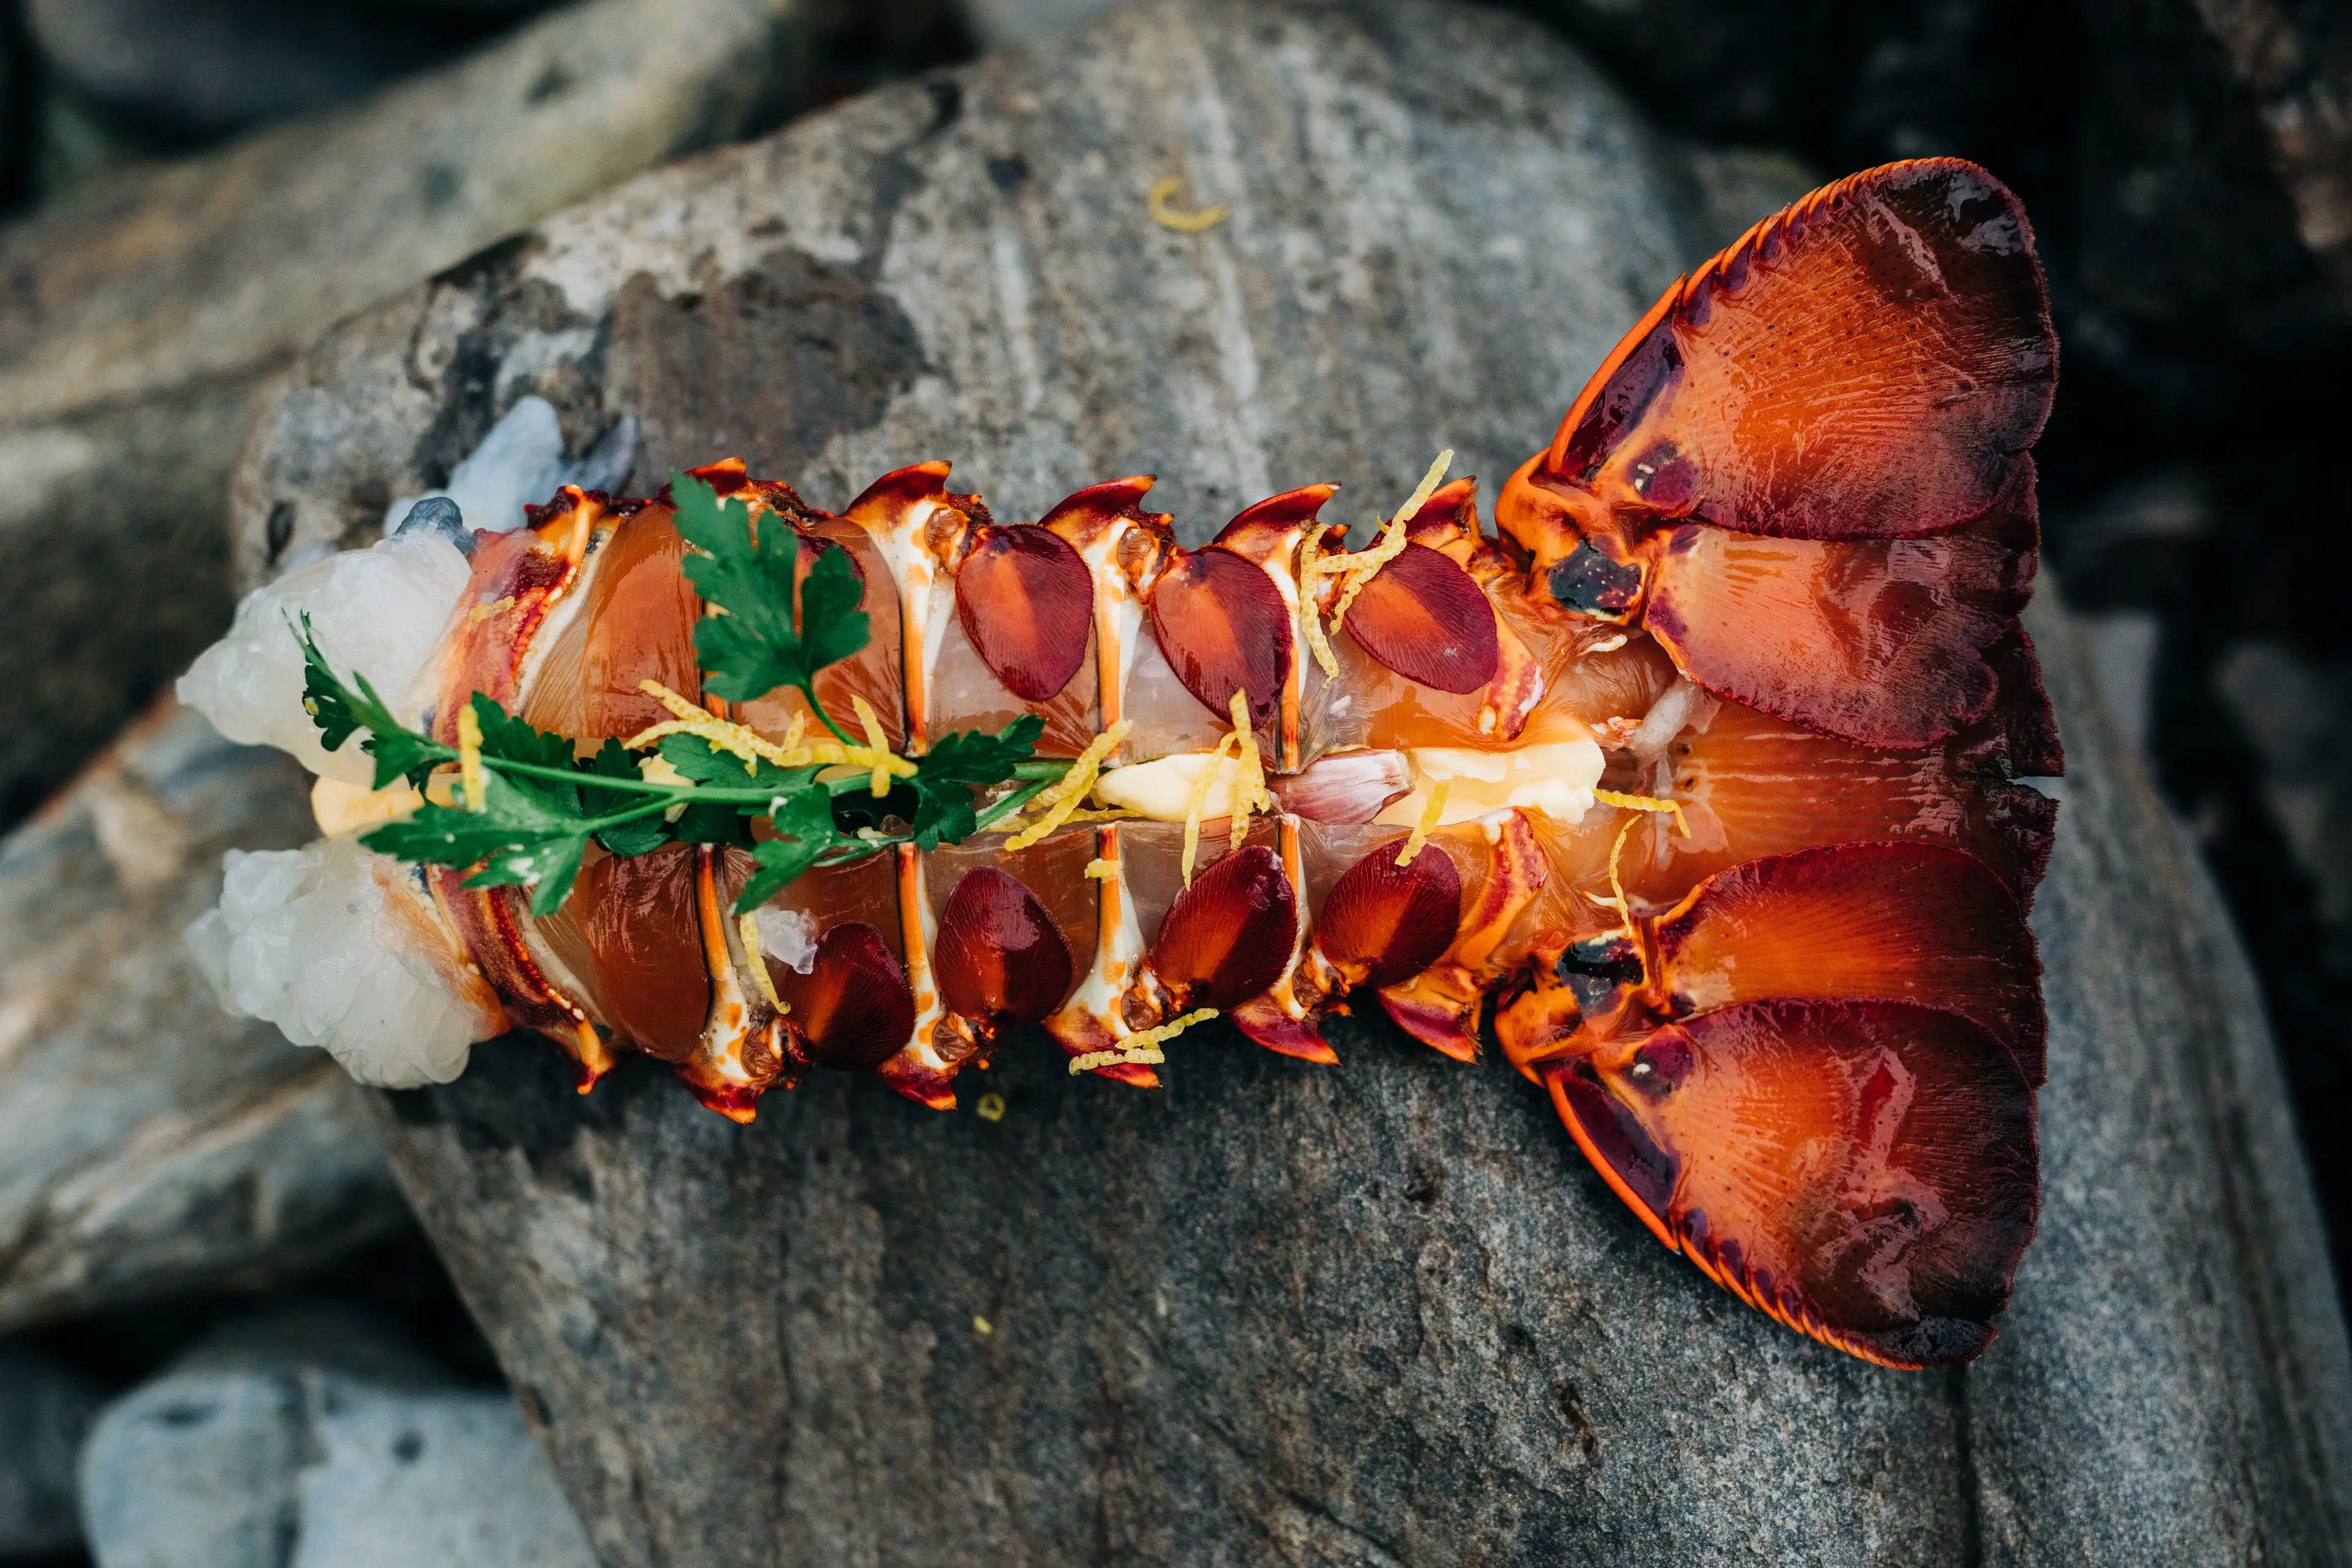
(308, 1440)
(140, 316)
(1376, 1314)
(149, 1142)
(44, 1410)
(183, 70)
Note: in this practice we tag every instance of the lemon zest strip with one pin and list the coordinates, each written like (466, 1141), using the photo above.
(1434, 808)
(1166, 216)
(875, 738)
(1201, 788)
(1102, 870)
(737, 740)
(1063, 798)
(1646, 803)
(1616, 887)
(1250, 793)
(470, 759)
(1310, 566)
(1361, 568)
(747, 926)
(1141, 1050)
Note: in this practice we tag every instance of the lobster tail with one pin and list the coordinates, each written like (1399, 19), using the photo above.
(1866, 367)
(1707, 773)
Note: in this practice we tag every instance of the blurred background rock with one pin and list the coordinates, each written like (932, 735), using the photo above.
(191, 191)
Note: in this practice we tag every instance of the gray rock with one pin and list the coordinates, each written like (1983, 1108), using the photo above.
(137, 318)
(149, 1142)
(1000, 24)
(183, 70)
(333, 1449)
(1382, 1313)
(2296, 709)
(44, 1408)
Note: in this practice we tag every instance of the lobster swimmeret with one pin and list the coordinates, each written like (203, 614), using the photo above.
(1704, 770)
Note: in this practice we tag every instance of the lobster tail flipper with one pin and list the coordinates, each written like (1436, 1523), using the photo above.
(1865, 1172)
(1898, 921)
(1881, 642)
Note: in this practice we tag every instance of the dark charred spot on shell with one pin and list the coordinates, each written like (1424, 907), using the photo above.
(1589, 582)
(1597, 968)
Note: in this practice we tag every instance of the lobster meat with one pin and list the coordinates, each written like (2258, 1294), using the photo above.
(1703, 770)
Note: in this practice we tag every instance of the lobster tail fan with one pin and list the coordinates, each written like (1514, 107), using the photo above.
(1900, 922)
(1757, 786)
(1864, 364)
(1863, 1171)
(1884, 642)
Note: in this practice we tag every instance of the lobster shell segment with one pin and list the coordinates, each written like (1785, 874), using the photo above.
(1383, 923)
(1879, 642)
(854, 1009)
(1863, 364)
(1421, 616)
(1223, 627)
(1895, 921)
(1027, 602)
(1229, 934)
(1000, 958)
(1865, 1172)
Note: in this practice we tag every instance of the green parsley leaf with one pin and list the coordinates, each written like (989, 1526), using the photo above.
(706, 764)
(957, 764)
(525, 835)
(508, 737)
(713, 822)
(805, 828)
(756, 647)
(338, 712)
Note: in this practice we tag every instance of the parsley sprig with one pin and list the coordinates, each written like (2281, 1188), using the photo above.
(543, 804)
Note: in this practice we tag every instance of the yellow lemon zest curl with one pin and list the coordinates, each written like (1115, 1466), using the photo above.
(470, 759)
(1168, 217)
(1430, 812)
(1250, 793)
(747, 926)
(1362, 566)
(737, 740)
(1141, 1050)
(1062, 798)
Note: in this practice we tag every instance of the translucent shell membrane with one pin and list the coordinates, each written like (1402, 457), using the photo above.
(1771, 966)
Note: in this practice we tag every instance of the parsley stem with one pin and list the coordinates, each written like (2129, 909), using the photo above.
(670, 794)
(808, 690)
(1018, 798)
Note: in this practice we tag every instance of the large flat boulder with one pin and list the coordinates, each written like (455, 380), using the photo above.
(1381, 1314)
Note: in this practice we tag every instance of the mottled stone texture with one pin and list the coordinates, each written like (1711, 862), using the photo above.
(150, 1143)
(140, 317)
(1377, 1315)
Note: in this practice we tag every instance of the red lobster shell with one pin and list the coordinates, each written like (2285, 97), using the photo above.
(1770, 571)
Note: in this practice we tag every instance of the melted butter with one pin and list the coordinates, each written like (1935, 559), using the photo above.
(1556, 777)
(1163, 788)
